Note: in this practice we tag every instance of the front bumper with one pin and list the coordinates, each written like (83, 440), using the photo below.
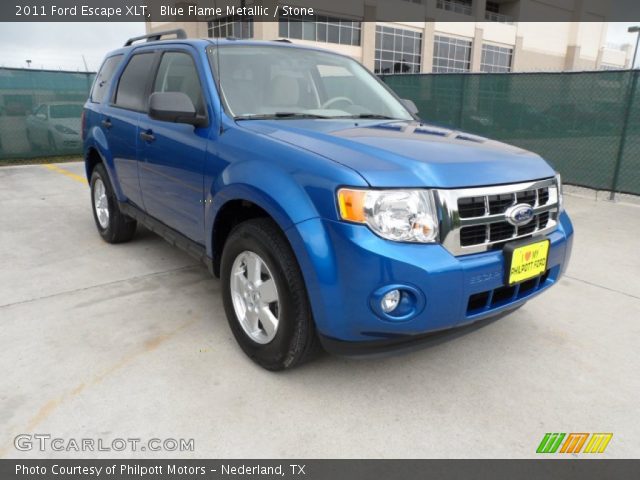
(345, 264)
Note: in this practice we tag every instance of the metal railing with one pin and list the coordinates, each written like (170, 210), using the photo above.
(498, 17)
(616, 46)
(454, 7)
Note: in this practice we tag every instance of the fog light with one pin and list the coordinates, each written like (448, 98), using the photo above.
(390, 301)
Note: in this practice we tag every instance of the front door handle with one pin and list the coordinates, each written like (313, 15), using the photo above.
(147, 136)
(106, 123)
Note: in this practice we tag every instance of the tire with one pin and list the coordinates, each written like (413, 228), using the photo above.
(294, 340)
(34, 146)
(114, 227)
(52, 143)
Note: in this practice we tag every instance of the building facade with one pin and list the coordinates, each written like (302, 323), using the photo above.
(469, 35)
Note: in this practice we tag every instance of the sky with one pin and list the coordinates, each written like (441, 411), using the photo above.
(62, 45)
(617, 33)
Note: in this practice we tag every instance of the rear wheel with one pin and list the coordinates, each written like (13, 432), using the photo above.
(33, 145)
(265, 298)
(113, 225)
(52, 142)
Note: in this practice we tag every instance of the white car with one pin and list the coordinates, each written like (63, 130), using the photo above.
(55, 126)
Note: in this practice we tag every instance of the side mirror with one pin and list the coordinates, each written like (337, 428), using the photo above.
(174, 107)
(413, 110)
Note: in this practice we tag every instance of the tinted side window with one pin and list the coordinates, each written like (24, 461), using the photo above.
(103, 79)
(133, 82)
(177, 73)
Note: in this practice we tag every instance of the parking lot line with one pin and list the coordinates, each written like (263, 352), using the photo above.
(65, 172)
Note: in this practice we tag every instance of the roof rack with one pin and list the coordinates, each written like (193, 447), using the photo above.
(152, 37)
(283, 40)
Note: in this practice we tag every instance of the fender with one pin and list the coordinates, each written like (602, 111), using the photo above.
(289, 183)
(273, 190)
(96, 140)
(299, 222)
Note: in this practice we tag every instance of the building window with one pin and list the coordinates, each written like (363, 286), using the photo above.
(233, 26)
(458, 6)
(493, 7)
(493, 14)
(608, 66)
(451, 55)
(496, 59)
(322, 29)
(397, 50)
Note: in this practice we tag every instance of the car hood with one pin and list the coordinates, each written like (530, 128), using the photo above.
(407, 153)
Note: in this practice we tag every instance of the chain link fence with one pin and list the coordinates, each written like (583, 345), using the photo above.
(586, 124)
(40, 112)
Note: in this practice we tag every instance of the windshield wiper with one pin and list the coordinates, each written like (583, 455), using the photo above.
(277, 115)
(370, 115)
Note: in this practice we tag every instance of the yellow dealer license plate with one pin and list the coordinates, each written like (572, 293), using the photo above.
(528, 261)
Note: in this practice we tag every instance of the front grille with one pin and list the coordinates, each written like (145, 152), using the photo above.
(471, 207)
(499, 203)
(474, 220)
(500, 231)
(501, 296)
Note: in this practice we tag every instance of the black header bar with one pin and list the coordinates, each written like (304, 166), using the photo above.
(305, 10)
(581, 469)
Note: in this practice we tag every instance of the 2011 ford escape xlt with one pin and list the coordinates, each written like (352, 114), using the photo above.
(330, 212)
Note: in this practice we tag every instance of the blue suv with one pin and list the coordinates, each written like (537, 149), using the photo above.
(333, 215)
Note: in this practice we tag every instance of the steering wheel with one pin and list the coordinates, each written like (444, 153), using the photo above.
(333, 100)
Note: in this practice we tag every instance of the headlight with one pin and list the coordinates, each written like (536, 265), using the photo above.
(399, 215)
(560, 199)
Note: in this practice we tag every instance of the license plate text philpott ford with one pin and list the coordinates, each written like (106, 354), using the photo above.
(528, 261)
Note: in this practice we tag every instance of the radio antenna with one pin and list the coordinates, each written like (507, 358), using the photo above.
(215, 4)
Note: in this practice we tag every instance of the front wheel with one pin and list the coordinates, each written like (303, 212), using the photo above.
(32, 145)
(265, 298)
(113, 225)
(52, 143)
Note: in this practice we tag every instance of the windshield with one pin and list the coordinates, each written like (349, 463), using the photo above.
(276, 82)
(66, 111)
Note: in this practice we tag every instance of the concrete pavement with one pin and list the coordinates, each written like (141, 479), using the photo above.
(130, 341)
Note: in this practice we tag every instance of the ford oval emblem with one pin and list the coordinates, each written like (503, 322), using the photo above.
(519, 215)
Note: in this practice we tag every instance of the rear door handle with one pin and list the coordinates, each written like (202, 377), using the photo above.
(106, 123)
(147, 136)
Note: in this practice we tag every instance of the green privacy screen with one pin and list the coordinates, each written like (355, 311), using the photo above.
(574, 120)
(40, 112)
(586, 124)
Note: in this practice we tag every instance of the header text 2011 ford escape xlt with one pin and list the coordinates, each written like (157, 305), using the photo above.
(332, 214)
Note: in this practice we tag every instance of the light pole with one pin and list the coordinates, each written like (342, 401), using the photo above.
(627, 112)
(635, 29)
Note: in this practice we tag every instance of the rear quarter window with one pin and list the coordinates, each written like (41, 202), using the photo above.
(133, 82)
(103, 79)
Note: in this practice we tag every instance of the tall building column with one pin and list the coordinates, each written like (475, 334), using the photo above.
(517, 65)
(368, 37)
(266, 30)
(428, 35)
(479, 7)
(572, 55)
(476, 50)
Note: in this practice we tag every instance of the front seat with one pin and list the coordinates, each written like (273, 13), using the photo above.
(284, 92)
